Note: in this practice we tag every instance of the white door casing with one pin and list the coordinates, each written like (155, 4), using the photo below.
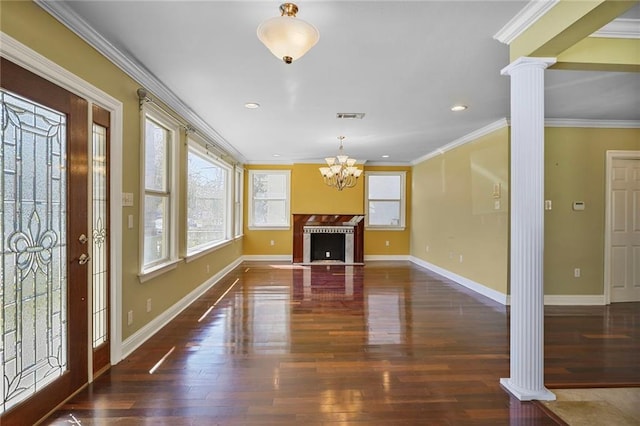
(622, 239)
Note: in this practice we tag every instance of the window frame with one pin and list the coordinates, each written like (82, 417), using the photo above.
(287, 199)
(155, 114)
(402, 200)
(238, 203)
(197, 146)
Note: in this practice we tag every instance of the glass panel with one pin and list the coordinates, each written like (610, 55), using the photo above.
(270, 212)
(384, 213)
(156, 159)
(33, 319)
(237, 217)
(156, 220)
(384, 187)
(99, 248)
(269, 186)
(206, 201)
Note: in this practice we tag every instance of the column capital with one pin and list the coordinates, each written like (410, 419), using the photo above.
(527, 62)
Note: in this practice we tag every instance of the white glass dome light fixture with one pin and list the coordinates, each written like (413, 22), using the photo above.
(287, 37)
(341, 171)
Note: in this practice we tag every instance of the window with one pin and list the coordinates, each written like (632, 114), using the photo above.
(208, 199)
(237, 202)
(269, 198)
(160, 196)
(385, 200)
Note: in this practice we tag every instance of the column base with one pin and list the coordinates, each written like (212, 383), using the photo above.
(543, 394)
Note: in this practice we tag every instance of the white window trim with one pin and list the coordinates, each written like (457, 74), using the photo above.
(403, 201)
(238, 186)
(153, 112)
(197, 143)
(254, 227)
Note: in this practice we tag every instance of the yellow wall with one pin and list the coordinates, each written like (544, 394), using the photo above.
(310, 195)
(454, 210)
(452, 203)
(35, 28)
(575, 171)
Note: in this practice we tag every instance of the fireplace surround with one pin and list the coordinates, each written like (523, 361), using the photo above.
(332, 238)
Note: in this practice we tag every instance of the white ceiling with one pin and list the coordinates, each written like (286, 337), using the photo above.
(403, 63)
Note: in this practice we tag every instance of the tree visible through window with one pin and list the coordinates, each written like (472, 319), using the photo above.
(269, 198)
(207, 200)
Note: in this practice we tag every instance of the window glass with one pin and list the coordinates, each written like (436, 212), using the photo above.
(269, 198)
(207, 201)
(385, 199)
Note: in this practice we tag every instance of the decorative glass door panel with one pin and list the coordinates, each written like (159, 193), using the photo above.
(34, 305)
(43, 174)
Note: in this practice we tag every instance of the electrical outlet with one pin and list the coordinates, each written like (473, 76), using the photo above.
(460, 258)
(207, 268)
(427, 249)
(547, 204)
(577, 272)
(129, 317)
(148, 305)
(386, 243)
(327, 254)
(272, 242)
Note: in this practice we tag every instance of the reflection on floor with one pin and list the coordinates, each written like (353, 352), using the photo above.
(599, 406)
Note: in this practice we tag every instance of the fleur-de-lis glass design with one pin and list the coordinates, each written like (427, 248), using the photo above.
(33, 246)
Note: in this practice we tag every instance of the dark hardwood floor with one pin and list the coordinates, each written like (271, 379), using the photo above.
(385, 344)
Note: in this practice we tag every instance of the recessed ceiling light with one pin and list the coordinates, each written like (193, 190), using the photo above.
(385, 156)
(252, 105)
(276, 155)
(457, 108)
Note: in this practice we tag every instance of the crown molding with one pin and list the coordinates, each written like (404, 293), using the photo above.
(134, 69)
(602, 124)
(470, 137)
(523, 20)
(620, 28)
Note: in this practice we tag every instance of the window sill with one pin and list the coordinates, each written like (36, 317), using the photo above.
(384, 228)
(238, 237)
(158, 270)
(206, 250)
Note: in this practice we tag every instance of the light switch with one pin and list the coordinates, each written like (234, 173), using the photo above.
(547, 204)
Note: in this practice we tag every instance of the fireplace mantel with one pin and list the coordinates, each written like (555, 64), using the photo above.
(300, 221)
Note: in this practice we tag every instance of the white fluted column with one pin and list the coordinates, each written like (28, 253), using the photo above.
(527, 229)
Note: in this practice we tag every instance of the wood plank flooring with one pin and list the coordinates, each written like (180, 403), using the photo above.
(385, 344)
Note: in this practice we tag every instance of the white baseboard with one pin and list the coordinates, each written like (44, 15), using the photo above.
(574, 299)
(139, 337)
(268, 257)
(374, 257)
(465, 282)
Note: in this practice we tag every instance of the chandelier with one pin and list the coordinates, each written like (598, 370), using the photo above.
(285, 36)
(341, 171)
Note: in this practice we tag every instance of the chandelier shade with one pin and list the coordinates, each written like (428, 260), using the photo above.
(340, 171)
(286, 36)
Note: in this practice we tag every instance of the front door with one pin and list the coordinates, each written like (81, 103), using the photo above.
(624, 276)
(43, 222)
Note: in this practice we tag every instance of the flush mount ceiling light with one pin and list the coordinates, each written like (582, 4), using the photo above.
(342, 172)
(252, 105)
(287, 37)
(457, 108)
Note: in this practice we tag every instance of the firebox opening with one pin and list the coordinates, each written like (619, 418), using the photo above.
(328, 246)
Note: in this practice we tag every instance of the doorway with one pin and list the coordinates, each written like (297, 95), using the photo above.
(44, 322)
(622, 237)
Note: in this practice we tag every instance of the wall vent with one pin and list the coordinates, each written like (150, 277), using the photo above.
(350, 115)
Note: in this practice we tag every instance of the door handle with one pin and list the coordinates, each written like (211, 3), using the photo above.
(83, 259)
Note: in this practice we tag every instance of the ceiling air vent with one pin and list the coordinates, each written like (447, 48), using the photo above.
(350, 115)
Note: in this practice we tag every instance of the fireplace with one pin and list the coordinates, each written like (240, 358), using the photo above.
(328, 238)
